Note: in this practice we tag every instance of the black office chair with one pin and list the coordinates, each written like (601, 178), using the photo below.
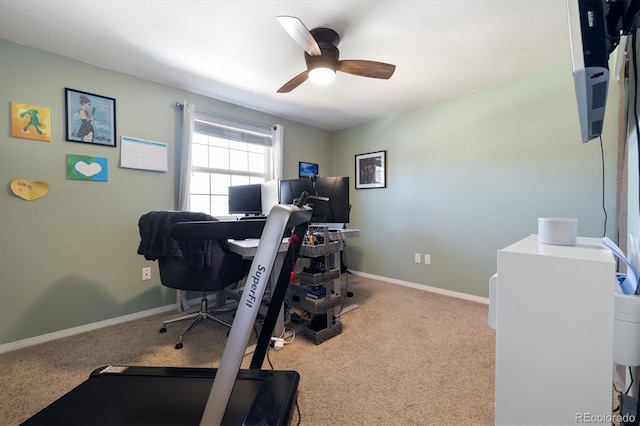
(192, 265)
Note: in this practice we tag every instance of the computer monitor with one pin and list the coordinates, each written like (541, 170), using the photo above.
(337, 209)
(245, 199)
(291, 189)
(334, 210)
(307, 169)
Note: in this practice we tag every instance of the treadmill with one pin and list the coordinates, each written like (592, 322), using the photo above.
(228, 395)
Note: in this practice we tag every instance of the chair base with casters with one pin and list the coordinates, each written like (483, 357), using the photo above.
(177, 274)
(203, 315)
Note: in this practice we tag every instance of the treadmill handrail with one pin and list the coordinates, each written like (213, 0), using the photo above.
(280, 218)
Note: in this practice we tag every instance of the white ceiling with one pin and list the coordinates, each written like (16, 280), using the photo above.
(237, 51)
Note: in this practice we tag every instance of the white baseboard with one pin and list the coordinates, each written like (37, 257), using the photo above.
(7, 347)
(465, 296)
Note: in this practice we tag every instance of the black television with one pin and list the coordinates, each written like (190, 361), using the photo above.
(595, 29)
(307, 169)
(245, 199)
(328, 196)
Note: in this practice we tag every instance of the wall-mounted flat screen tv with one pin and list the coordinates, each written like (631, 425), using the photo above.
(307, 169)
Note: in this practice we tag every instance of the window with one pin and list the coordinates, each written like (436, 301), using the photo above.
(224, 155)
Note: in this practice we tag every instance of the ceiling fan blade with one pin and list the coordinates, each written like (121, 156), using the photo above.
(294, 82)
(300, 34)
(371, 69)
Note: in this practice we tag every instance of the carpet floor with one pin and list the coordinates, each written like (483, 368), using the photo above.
(405, 356)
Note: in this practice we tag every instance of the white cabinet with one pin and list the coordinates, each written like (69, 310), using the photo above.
(554, 333)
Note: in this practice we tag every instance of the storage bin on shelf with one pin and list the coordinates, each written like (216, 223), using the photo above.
(320, 305)
(318, 250)
(320, 277)
(320, 336)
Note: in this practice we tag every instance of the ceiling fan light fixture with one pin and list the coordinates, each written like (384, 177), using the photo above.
(321, 55)
(322, 75)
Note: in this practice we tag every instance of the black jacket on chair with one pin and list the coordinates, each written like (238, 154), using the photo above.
(192, 265)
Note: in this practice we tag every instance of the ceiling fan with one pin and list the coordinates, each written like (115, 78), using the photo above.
(321, 55)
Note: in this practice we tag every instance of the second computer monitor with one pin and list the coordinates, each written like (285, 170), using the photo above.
(245, 199)
(291, 189)
(336, 189)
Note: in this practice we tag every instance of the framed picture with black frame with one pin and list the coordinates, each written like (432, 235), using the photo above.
(307, 169)
(90, 118)
(371, 170)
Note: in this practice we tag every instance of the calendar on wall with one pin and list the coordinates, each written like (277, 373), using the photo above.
(143, 154)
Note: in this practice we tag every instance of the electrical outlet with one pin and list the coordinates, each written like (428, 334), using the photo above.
(146, 274)
(427, 259)
(417, 257)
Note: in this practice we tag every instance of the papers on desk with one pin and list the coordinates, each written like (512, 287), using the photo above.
(630, 283)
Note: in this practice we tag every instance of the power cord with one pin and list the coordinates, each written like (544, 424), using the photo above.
(604, 207)
(298, 410)
(271, 365)
(635, 85)
(343, 244)
(277, 343)
(293, 336)
(615, 388)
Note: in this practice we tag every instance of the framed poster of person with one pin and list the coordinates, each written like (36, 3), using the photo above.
(90, 118)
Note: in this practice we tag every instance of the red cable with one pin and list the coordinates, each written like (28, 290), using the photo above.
(292, 239)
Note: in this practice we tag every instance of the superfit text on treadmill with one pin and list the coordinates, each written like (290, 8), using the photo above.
(254, 285)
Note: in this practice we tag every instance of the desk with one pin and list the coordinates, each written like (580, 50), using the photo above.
(247, 249)
(335, 235)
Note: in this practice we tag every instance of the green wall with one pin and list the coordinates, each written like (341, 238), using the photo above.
(69, 259)
(471, 175)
